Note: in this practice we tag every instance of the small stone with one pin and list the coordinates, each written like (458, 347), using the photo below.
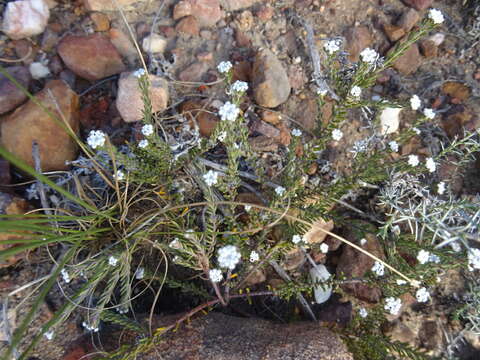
(25, 18)
(271, 117)
(31, 123)
(256, 277)
(390, 120)
(23, 48)
(293, 259)
(437, 38)
(357, 39)
(123, 44)
(100, 21)
(38, 70)
(428, 49)
(261, 127)
(234, 5)
(473, 338)
(207, 12)
(320, 274)
(154, 43)
(92, 57)
(418, 4)
(265, 13)
(167, 31)
(195, 110)
(244, 21)
(408, 20)
(271, 86)
(297, 77)
(182, 9)
(129, 100)
(394, 33)
(188, 25)
(194, 72)
(10, 95)
(205, 56)
(456, 90)
(263, 144)
(409, 62)
(109, 5)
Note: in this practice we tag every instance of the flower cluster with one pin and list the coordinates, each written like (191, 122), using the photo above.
(296, 132)
(474, 259)
(228, 257)
(378, 268)
(280, 190)
(393, 305)
(413, 160)
(430, 164)
(143, 144)
(147, 129)
(224, 67)
(441, 188)
(211, 177)
(215, 275)
(112, 261)
(324, 248)
(422, 295)
(239, 86)
(296, 239)
(356, 91)
(369, 56)
(120, 175)
(363, 312)
(65, 276)
(139, 73)
(229, 111)
(415, 102)
(254, 256)
(393, 146)
(337, 134)
(96, 138)
(429, 113)
(436, 16)
(89, 327)
(332, 46)
(425, 256)
(140, 273)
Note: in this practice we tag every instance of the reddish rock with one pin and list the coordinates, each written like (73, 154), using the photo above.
(100, 21)
(306, 113)
(259, 126)
(167, 31)
(409, 62)
(263, 144)
(188, 25)
(456, 90)
(271, 117)
(408, 20)
(25, 50)
(418, 4)
(123, 44)
(194, 72)
(244, 21)
(242, 71)
(207, 12)
(10, 95)
(296, 76)
(428, 48)
(265, 13)
(92, 57)
(30, 123)
(357, 38)
(242, 39)
(394, 33)
(183, 8)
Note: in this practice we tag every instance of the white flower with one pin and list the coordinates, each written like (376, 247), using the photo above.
(143, 143)
(147, 129)
(215, 275)
(413, 160)
(429, 113)
(49, 335)
(337, 134)
(247, 207)
(211, 177)
(363, 312)
(279, 190)
(455, 246)
(65, 276)
(175, 244)
(396, 230)
(423, 256)
(322, 92)
(422, 295)
(416, 130)
(393, 305)
(363, 241)
(139, 73)
(140, 273)
(441, 187)
(393, 146)
(296, 239)
(112, 260)
(239, 86)
(356, 91)
(436, 16)
(474, 259)
(120, 175)
(224, 67)
(324, 248)
(332, 46)
(430, 164)
(89, 327)
(401, 282)
(96, 138)
(222, 136)
(378, 268)
(228, 256)
(415, 102)
(434, 258)
(254, 257)
(369, 55)
(297, 132)
(229, 111)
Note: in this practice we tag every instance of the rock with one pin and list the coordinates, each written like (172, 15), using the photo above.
(129, 100)
(271, 86)
(194, 72)
(473, 339)
(437, 39)
(219, 336)
(354, 264)
(319, 274)
(10, 95)
(256, 277)
(390, 120)
(261, 127)
(265, 13)
(456, 90)
(297, 76)
(108, 5)
(357, 38)
(197, 111)
(233, 5)
(30, 123)
(398, 331)
(244, 21)
(92, 57)
(49, 40)
(431, 336)
(188, 25)
(123, 44)
(207, 12)
(25, 18)
(154, 43)
(100, 21)
(271, 117)
(315, 235)
(408, 20)
(409, 62)
(38, 70)
(394, 33)
(25, 50)
(11, 205)
(263, 144)
(418, 4)
(293, 259)
(428, 48)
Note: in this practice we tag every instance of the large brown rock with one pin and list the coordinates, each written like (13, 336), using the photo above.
(271, 86)
(91, 57)
(418, 4)
(354, 264)
(129, 100)
(357, 38)
(10, 95)
(409, 62)
(30, 123)
(207, 12)
(221, 337)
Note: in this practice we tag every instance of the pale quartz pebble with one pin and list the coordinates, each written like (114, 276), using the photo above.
(390, 120)
(154, 43)
(38, 70)
(319, 273)
(25, 18)
(437, 38)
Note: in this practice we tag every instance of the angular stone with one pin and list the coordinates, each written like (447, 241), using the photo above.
(100, 21)
(428, 48)
(183, 8)
(91, 57)
(109, 5)
(271, 86)
(30, 123)
(188, 25)
(357, 38)
(207, 12)
(393, 32)
(233, 5)
(154, 43)
(418, 4)
(194, 72)
(23, 19)
(456, 90)
(408, 20)
(129, 99)
(123, 44)
(409, 62)
(10, 95)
